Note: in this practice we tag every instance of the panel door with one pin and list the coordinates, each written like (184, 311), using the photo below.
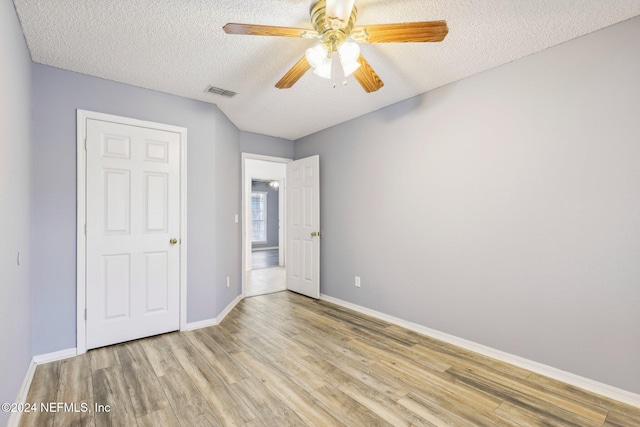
(303, 226)
(133, 213)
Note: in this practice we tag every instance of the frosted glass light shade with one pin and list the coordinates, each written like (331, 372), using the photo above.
(324, 69)
(317, 57)
(349, 67)
(349, 53)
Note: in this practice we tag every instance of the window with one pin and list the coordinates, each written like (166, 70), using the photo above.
(258, 216)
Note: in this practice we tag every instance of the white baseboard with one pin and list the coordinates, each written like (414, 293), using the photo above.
(228, 308)
(199, 324)
(56, 355)
(539, 368)
(215, 321)
(14, 418)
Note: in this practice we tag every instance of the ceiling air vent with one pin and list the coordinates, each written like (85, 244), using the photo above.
(219, 91)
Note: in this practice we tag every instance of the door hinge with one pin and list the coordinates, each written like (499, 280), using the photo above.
(85, 314)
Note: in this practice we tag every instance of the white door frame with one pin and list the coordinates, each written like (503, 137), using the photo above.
(244, 219)
(81, 267)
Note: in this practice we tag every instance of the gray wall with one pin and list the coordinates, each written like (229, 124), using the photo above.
(273, 215)
(266, 145)
(213, 195)
(503, 208)
(15, 146)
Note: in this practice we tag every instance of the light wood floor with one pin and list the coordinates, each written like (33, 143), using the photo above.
(286, 360)
(265, 259)
(265, 281)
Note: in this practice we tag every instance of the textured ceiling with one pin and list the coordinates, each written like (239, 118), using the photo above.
(179, 47)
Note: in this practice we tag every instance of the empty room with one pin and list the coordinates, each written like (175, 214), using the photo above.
(319, 213)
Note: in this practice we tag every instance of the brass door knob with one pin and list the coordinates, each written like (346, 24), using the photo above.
(173, 241)
(315, 233)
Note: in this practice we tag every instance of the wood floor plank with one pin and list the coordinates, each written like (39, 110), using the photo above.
(75, 387)
(546, 383)
(307, 408)
(164, 417)
(349, 409)
(226, 366)
(522, 417)
(366, 387)
(227, 405)
(517, 398)
(103, 357)
(227, 341)
(202, 372)
(387, 350)
(186, 401)
(160, 356)
(333, 349)
(219, 394)
(257, 423)
(593, 413)
(437, 416)
(437, 385)
(44, 388)
(270, 339)
(345, 371)
(305, 379)
(623, 419)
(269, 409)
(386, 408)
(458, 356)
(255, 311)
(144, 388)
(110, 388)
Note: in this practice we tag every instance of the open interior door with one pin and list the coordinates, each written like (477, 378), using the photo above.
(303, 226)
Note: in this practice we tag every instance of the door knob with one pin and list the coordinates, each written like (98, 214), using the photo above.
(315, 233)
(173, 241)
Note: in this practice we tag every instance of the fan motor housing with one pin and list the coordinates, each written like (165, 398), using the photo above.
(333, 31)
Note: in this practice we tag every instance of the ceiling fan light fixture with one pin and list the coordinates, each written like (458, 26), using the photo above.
(349, 53)
(318, 58)
(348, 67)
(324, 69)
(317, 54)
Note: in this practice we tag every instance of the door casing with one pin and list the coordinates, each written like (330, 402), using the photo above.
(81, 244)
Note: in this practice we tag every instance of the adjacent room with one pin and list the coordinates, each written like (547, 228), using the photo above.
(322, 212)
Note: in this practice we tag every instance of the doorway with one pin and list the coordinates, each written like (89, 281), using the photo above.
(264, 219)
(299, 242)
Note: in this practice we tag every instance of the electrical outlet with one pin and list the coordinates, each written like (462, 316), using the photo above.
(357, 281)
(228, 282)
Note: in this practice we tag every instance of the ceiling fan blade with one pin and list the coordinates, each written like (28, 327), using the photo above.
(267, 30)
(294, 74)
(368, 79)
(412, 32)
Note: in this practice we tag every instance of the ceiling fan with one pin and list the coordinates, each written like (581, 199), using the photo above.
(336, 53)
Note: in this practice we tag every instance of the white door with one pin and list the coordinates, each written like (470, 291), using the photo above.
(133, 217)
(303, 226)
